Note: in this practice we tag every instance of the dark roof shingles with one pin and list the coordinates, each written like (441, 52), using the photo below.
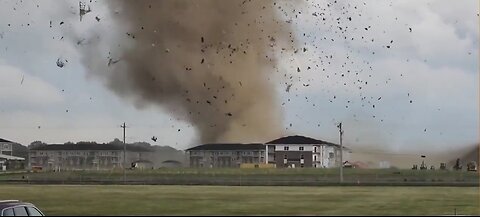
(299, 140)
(89, 147)
(228, 146)
(4, 140)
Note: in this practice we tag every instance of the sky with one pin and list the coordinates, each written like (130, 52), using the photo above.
(403, 78)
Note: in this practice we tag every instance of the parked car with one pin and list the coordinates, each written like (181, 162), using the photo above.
(18, 208)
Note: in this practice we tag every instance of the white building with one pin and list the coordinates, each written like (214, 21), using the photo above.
(6, 155)
(301, 151)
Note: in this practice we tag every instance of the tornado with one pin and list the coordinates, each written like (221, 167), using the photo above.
(211, 63)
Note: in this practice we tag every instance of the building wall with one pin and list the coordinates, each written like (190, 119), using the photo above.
(6, 148)
(300, 159)
(314, 155)
(81, 159)
(319, 155)
(225, 158)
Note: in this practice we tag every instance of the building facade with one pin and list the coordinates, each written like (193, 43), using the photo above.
(83, 156)
(226, 155)
(300, 151)
(6, 147)
(7, 159)
(285, 152)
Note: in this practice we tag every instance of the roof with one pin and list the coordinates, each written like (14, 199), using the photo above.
(228, 146)
(8, 157)
(299, 140)
(89, 146)
(10, 203)
(4, 140)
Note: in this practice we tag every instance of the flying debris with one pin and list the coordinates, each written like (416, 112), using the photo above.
(84, 9)
(154, 138)
(288, 87)
(98, 19)
(111, 61)
(60, 63)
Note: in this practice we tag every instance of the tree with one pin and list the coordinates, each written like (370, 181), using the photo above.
(36, 144)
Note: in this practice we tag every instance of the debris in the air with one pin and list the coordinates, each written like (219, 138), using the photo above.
(60, 63)
(111, 61)
(80, 41)
(84, 9)
(229, 114)
(410, 29)
(154, 138)
(98, 19)
(288, 87)
(61, 23)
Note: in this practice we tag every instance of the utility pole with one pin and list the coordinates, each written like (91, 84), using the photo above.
(341, 152)
(124, 153)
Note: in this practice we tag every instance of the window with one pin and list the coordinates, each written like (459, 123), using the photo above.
(314, 149)
(315, 158)
(20, 211)
(8, 212)
(33, 212)
(301, 148)
(285, 148)
(330, 155)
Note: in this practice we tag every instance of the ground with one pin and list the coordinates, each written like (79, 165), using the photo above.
(252, 177)
(245, 200)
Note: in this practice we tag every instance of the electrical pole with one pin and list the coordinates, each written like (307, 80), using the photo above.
(124, 153)
(341, 153)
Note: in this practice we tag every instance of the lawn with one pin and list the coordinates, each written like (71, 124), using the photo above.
(243, 200)
(235, 176)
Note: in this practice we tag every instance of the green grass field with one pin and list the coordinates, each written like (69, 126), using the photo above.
(242, 200)
(298, 177)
